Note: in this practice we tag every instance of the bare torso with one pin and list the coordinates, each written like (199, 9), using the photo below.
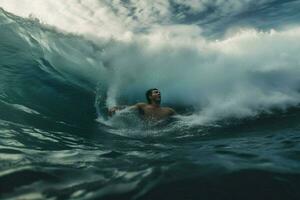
(152, 112)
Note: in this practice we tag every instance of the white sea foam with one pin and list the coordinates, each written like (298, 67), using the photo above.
(123, 19)
(242, 75)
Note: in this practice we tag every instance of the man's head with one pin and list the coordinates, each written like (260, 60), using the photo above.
(153, 95)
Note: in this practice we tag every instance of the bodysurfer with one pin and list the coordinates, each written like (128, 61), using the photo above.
(151, 110)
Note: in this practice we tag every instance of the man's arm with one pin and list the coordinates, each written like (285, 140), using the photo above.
(171, 111)
(112, 111)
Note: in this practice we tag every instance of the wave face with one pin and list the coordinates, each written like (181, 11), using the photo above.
(233, 78)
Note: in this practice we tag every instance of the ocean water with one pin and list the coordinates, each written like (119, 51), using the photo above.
(231, 70)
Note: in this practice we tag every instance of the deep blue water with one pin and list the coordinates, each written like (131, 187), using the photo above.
(56, 141)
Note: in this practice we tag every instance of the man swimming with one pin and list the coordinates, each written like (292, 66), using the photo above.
(151, 110)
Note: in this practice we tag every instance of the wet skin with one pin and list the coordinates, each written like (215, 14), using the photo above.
(151, 110)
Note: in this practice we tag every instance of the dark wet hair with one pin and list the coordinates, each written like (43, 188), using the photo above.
(149, 93)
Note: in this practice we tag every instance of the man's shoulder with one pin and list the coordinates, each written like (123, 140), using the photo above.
(171, 111)
(140, 105)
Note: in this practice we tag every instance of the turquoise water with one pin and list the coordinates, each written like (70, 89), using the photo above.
(236, 135)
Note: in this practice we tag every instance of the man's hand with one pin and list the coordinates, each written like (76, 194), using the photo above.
(112, 111)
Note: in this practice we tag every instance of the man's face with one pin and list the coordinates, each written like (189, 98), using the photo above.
(156, 97)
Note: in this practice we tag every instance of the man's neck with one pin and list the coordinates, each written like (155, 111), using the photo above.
(155, 104)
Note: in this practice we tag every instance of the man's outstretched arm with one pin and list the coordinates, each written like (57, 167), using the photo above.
(172, 111)
(112, 111)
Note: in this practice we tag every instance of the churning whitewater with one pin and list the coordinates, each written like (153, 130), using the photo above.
(230, 69)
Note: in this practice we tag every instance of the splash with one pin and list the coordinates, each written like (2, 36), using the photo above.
(240, 76)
